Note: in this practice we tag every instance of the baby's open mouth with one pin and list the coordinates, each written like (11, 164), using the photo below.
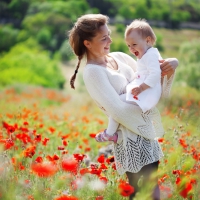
(136, 53)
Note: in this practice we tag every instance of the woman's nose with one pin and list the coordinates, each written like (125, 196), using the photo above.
(110, 40)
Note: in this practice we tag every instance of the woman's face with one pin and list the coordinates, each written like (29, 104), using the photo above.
(100, 44)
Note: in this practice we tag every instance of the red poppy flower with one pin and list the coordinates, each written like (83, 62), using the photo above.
(84, 171)
(92, 135)
(79, 156)
(29, 152)
(38, 138)
(64, 197)
(125, 189)
(186, 190)
(104, 179)
(52, 129)
(39, 159)
(44, 169)
(60, 148)
(101, 158)
(9, 128)
(25, 123)
(114, 166)
(70, 165)
(161, 140)
(135, 97)
(183, 143)
(110, 159)
(64, 142)
(103, 166)
(8, 143)
(99, 198)
(25, 138)
(95, 171)
(44, 142)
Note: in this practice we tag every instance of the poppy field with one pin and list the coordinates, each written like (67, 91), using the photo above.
(48, 150)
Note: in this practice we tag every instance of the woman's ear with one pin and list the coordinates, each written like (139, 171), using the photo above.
(87, 44)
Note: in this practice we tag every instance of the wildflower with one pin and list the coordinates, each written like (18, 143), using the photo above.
(161, 140)
(44, 169)
(39, 159)
(125, 189)
(10, 129)
(38, 138)
(104, 179)
(114, 166)
(64, 142)
(101, 158)
(92, 135)
(186, 190)
(24, 137)
(79, 156)
(26, 123)
(183, 143)
(99, 198)
(64, 197)
(29, 152)
(8, 143)
(110, 159)
(84, 171)
(44, 142)
(103, 166)
(60, 148)
(70, 165)
(51, 129)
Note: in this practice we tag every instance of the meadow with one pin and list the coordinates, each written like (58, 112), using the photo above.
(48, 150)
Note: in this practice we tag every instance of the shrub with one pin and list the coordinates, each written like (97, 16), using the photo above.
(189, 72)
(27, 63)
(8, 37)
(65, 51)
(120, 28)
(119, 45)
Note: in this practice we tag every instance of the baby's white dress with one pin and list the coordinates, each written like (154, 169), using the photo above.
(148, 71)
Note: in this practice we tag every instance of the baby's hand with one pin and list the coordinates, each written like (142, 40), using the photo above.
(136, 91)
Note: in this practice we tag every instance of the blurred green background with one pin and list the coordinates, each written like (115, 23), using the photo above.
(34, 46)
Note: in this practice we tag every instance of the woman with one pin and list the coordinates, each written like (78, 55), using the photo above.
(106, 75)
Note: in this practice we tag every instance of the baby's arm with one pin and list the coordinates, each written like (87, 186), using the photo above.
(141, 88)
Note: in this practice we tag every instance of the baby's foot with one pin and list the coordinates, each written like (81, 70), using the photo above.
(103, 137)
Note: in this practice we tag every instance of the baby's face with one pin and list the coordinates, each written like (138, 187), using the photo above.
(136, 44)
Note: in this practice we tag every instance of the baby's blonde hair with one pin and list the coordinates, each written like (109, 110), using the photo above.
(143, 28)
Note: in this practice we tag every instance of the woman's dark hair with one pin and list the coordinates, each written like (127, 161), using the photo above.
(85, 28)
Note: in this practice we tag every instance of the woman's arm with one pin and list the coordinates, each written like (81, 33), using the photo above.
(99, 87)
(168, 67)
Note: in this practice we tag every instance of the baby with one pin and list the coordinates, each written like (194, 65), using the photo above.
(145, 89)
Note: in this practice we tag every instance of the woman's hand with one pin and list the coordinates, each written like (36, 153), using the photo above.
(168, 66)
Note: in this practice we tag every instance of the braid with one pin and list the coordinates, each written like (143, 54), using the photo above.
(73, 78)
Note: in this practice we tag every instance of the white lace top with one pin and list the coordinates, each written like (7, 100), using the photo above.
(137, 144)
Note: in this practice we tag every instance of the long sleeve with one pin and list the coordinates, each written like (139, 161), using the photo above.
(151, 62)
(99, 87)
(112, 126)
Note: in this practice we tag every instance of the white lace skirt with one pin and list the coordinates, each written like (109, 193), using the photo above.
(132, 154)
